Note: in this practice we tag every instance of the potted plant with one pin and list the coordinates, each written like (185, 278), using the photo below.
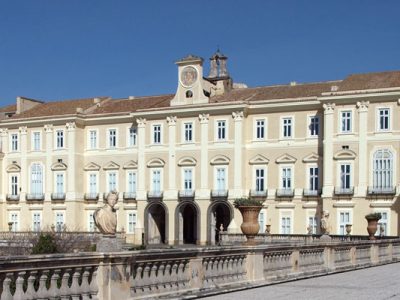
(372, 227)
(249, 208)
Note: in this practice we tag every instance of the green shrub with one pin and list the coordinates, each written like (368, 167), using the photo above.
(45, 245)
(247, 202)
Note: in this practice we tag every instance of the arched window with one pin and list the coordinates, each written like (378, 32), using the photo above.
(383, 169)
(36, 179)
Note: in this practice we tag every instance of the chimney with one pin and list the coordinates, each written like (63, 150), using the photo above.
(24, 104)
(293, 83)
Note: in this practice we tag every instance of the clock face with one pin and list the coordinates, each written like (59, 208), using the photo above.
(188, 76)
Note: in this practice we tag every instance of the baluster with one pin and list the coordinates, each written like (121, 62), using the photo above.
(161, 277)
(153, 278)
(174, 276)
(53, 290)
(85, 290)
(30, 292)
(137, 282)
(206, 266)
(75, 289)
(167, 276)
(181, 278)
(146, 279)
(42, 292)
(64, 289)
(19, 286)
(93, 285)
(6, 294)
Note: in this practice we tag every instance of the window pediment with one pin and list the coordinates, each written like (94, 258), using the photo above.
(187, 161)
(344, 154)
(286, 159)
(220, 160)
(155, 163)
(58, 166)
(92, 167)
(111, 166)
(13, 168)
(130, 165)
(311, 158)
(259, 160)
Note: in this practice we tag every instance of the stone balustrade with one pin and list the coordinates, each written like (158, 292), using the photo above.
(189, 272)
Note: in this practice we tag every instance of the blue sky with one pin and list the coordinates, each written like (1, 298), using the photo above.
(54, 50)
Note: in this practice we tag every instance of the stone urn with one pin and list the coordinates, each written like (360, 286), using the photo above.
(250, 226)
(348, 228)
(268, 229)
(372, 224)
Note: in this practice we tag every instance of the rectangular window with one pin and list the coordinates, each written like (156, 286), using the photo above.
(346, 121)
(14, 218)
(314, 126)
(60, 183)
(260, 179)
(344, 219)
(60, 139)
(36, 221)
(112, 181)
(59, 221)
(287, 178)
(112, 138)
(157, 134)
(36, 141)
(92, 139)
(131, 222)
(91, 226)
(345, 176)
(314, 184)
(187, 180)
(132, 136)
(260, 129)
(156, 180)
(285, 225)
(14, 142)
(312, 224)
(383, 225)
(131, 182)
(261, 220)
(188, 132)
(14, 185)
(36, 179)
(384, 118)
(287, 127)
(93, 183)
(221, 179)
(221, 130)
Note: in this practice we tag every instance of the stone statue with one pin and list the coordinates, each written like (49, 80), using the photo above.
(105, 218)
(325, 226)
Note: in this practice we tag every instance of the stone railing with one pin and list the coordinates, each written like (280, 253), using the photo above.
(183, 273)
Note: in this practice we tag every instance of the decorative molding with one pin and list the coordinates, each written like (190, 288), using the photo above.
(130, 165)
(48, 128)
(23, 130)
(13, 168)
(58, 166)
(204, 118)
(171, 120)
(344, 204)
(329, 107)
(345, 155)
(70, 125)
(219, 160)
(311, 158)
(237, 115)
(259, 160)
(92, 167)
(111, 166)
(4, 131)
(187, 161)
(141, 122)
(286, 159)
(155, 163)
(362, 106)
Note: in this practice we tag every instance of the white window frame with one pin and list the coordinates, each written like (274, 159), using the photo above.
(309, 124)
(226, 130)
(339, 224)
(34, 221)
(56, 214)
(308, 176)
(387, 222)
(152, 172)
(183, 178)
(339, 174)
(56, 144)
(15, 226)
(154, 141)
(264, 129)
(391, 180)
(378, 119)
(216, 185)
(312, 214)
(109, 146)
(91, 227)
(184, 140)
(63, 174)
(286, 214)
(128, 181)
(11, 184)
(351, 130)
(17, 141)
(42, 188)
(89, 140)
(134, 214)
(108, 174)
(131, 141)
(262, 220)
(255, 168)
(34, 146)
(282, 127)
(97, 182)
(291, 166)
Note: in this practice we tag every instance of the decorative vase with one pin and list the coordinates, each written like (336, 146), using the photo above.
(372, 228)
(250, 226)
(348, 228)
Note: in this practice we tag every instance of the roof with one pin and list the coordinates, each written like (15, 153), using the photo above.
(8, 108)
(371, 81)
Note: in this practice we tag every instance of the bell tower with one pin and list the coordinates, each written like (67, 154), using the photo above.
(190, 82)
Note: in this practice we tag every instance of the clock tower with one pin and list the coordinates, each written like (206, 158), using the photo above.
(190, 82)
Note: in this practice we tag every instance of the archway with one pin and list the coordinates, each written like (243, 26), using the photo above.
(219, 216)
(187, 220)
(156, 223)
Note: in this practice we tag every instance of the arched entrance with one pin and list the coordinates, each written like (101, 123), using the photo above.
(187, 228)
(219, 213)
(156, 222)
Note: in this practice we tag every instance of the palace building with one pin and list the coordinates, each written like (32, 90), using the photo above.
(178, 161)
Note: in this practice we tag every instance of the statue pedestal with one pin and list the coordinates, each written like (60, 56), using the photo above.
(108, 243)
(325, 237)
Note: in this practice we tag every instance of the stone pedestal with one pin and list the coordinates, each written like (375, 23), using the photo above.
(109, 243)
(325, 237)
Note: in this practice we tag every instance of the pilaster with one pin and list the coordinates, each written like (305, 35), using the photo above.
(141, 163)
(4, 149)
(71, 131)
(237, 164)
(204, 192)
(171, 193)
(48, 129)
(328, 150)
(24, 162)
(362, 148)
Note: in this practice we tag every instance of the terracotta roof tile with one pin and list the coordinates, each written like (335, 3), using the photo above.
(8, 108)
(371, 81)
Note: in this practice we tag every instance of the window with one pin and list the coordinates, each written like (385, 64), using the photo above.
(14, 142)
(36, 221)
(314, 185)
(383, 169)
(312, 224)
(187, 180)
(112, 138)
(132, 136)
(346, 121)
(345, 176)
(92, 183)
(59, 183)
(261, 220)
(220, 180)
(36, 141)
(156, 181)
(112, 181)
(383, 114)
(383, 224)
(221, 130)
(131, 222)
(59, 139)
(188, 134)
(287, 127)
(260, 179)
(344, 219)
(314, 126)
(286, 225)
(157, 134)
(260, 129)
(14, 218)
(36, 179)
(59, 221)
(287, 178)
(91, 226)
(14, 185)
(92, 139)
(131, 182)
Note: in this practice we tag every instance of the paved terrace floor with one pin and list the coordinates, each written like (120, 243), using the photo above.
(376, 283)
